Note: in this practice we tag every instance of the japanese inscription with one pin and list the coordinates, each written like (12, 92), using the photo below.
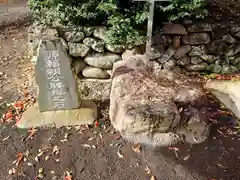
(57, 86)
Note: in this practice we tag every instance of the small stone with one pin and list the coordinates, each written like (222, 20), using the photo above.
(237, 35)
(88, 31)
(235, 60)
(1, 74)
(100, 33)
(40, 176)
(166, 55)
(182, 51)
(79, 65)
(115, 48)
(196, 39)
(30, 164)
(73, 36)
(91, 72)
(156, 51)
(170, 64)
(185, 60)
(229, 39)
(197, 67)
(47, 158)
(196, 60)
(10, 171)
(200, 27)
(159, 39)
(235, 29)
(131, 52)
(78, 49)
(55, 177)
(238, 66)
(229, 69)
(176, 42)
(198, 51)
(98, 46)
(210, 58)
(233, 50)
(89, 41)
(155, 67)
(217, 47)
(215, 68)
(170, 28)
(40, 170)
(103, 61)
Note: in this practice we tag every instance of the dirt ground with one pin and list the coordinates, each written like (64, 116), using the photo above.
(99, 152)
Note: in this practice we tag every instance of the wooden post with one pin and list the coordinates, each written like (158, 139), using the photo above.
(149, 28)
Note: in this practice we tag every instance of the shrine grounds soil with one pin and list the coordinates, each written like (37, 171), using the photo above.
(217, 158)
(99, 152)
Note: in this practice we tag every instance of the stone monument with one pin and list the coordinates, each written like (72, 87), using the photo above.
(58, 103)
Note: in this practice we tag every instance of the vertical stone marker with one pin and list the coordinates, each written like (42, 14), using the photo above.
(58, 103)
(54, 77)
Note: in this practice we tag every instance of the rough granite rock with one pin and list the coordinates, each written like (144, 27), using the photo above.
(196, 39)
(104, 61)
(92, 72)
(73, 36)
(177, 29)
(78, 49)
(148, 110)
(182, 51)
(227, 92)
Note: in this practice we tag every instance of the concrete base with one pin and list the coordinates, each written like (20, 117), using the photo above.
(32, 118)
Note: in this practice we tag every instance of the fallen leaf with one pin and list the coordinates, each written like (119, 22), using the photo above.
(68, 176)
(148, 171)
(152, 178)
(19, 158)
(100, 135)
(173, 148)
(32, 132)
(6, 138)
(186, 157)
(86, 145)
(136, 148)
(120, 155)
(90, 139)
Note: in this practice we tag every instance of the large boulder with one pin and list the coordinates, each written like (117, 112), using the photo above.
(227, 92)
(160, 108)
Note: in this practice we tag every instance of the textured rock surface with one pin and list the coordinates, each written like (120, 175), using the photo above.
(227, 92)
(104, 61)
(196, 38)
(73, 36)
(174, 29)
(56, 82)
(92, 72)
(78, 49)
(149, 107)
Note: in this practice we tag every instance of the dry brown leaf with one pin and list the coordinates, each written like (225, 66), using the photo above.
(120, 155)
(152, 178)
(136, 148)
